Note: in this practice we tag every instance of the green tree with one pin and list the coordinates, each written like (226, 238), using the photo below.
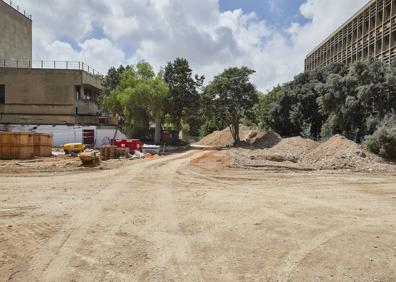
(357, 102)
(383, 141)
(184, 100)
(139, 98)
(230, 96)
(336, 99)
(295, 111)
(113, 79)
(262, 108)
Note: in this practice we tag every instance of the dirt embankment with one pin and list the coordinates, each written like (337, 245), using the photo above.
(338, 153)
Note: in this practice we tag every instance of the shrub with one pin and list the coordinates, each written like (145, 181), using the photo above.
(383, 141)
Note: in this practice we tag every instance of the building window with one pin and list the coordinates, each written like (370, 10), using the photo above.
(2, 94)
(78, 93)
(387, 12)
(88, 94)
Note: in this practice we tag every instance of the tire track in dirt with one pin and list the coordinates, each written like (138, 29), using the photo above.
(294, 259)
(173, 257)
(52, 262)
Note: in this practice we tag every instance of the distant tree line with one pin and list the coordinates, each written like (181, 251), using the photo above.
(358, 102)
(176, 98)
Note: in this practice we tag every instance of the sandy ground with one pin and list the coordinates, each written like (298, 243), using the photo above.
(188, 217)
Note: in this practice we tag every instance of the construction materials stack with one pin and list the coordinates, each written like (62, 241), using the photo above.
(108, 152)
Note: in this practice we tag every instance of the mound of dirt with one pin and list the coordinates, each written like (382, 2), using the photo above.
(293, 148)
(297, 153)
(289, 150)
(267, 140)
(340, 153)
(224, 138)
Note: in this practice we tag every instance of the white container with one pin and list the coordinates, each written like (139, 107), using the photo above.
(151, 149)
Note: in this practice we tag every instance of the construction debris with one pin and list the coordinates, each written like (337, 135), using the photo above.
(151, 149)
(90, 158)
(108, 152)
(138, 155)
(298, 153)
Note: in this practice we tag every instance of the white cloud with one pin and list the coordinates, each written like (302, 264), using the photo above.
(106, 33)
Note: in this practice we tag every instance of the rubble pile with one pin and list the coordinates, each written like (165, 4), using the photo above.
(338, 153)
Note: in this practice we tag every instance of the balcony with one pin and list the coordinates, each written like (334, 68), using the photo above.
(48, 65)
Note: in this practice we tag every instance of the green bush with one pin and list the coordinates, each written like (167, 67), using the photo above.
(383, 141)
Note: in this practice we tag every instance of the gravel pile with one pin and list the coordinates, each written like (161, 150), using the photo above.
(267, 140)
(341, 153)
(298, 153)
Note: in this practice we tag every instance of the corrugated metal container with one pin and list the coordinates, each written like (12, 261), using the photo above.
(42, 145)
(16, 145)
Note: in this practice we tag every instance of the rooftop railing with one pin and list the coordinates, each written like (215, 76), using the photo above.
(16, 7)
(57, 65)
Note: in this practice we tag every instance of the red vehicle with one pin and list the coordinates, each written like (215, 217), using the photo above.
(132, 144)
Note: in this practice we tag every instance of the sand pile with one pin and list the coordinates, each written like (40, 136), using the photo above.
(340, 153)
(267, 140)
(224, 138)
(298, 153)
(289, 151)
(293, 148)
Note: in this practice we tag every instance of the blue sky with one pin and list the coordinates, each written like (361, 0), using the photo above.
(276, 13)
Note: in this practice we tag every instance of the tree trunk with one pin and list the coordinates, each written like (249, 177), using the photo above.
(237, 138)
(157, 138)
(235, 133)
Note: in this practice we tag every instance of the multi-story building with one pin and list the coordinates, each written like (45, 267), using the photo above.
(370, 33)
(46, 96)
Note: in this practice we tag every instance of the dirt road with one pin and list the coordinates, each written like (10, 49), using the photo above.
(188, 217)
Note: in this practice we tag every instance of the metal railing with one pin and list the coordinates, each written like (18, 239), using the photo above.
(57, 65)
(16, 7)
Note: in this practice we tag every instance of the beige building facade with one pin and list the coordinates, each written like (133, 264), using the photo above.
(370, 33)
(42, 92)
(43, 96)
(15, 33)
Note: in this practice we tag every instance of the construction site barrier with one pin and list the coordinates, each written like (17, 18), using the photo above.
(24, 145)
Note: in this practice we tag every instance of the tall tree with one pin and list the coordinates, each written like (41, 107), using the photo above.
(352, 101)
(261, 116)
(230, 96)
(140, 97)
(184, 99)
(112, 79)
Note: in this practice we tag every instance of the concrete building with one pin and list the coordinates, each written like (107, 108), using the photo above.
(47, 96)
(54, 97)
(15, 33)
(370, 33)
